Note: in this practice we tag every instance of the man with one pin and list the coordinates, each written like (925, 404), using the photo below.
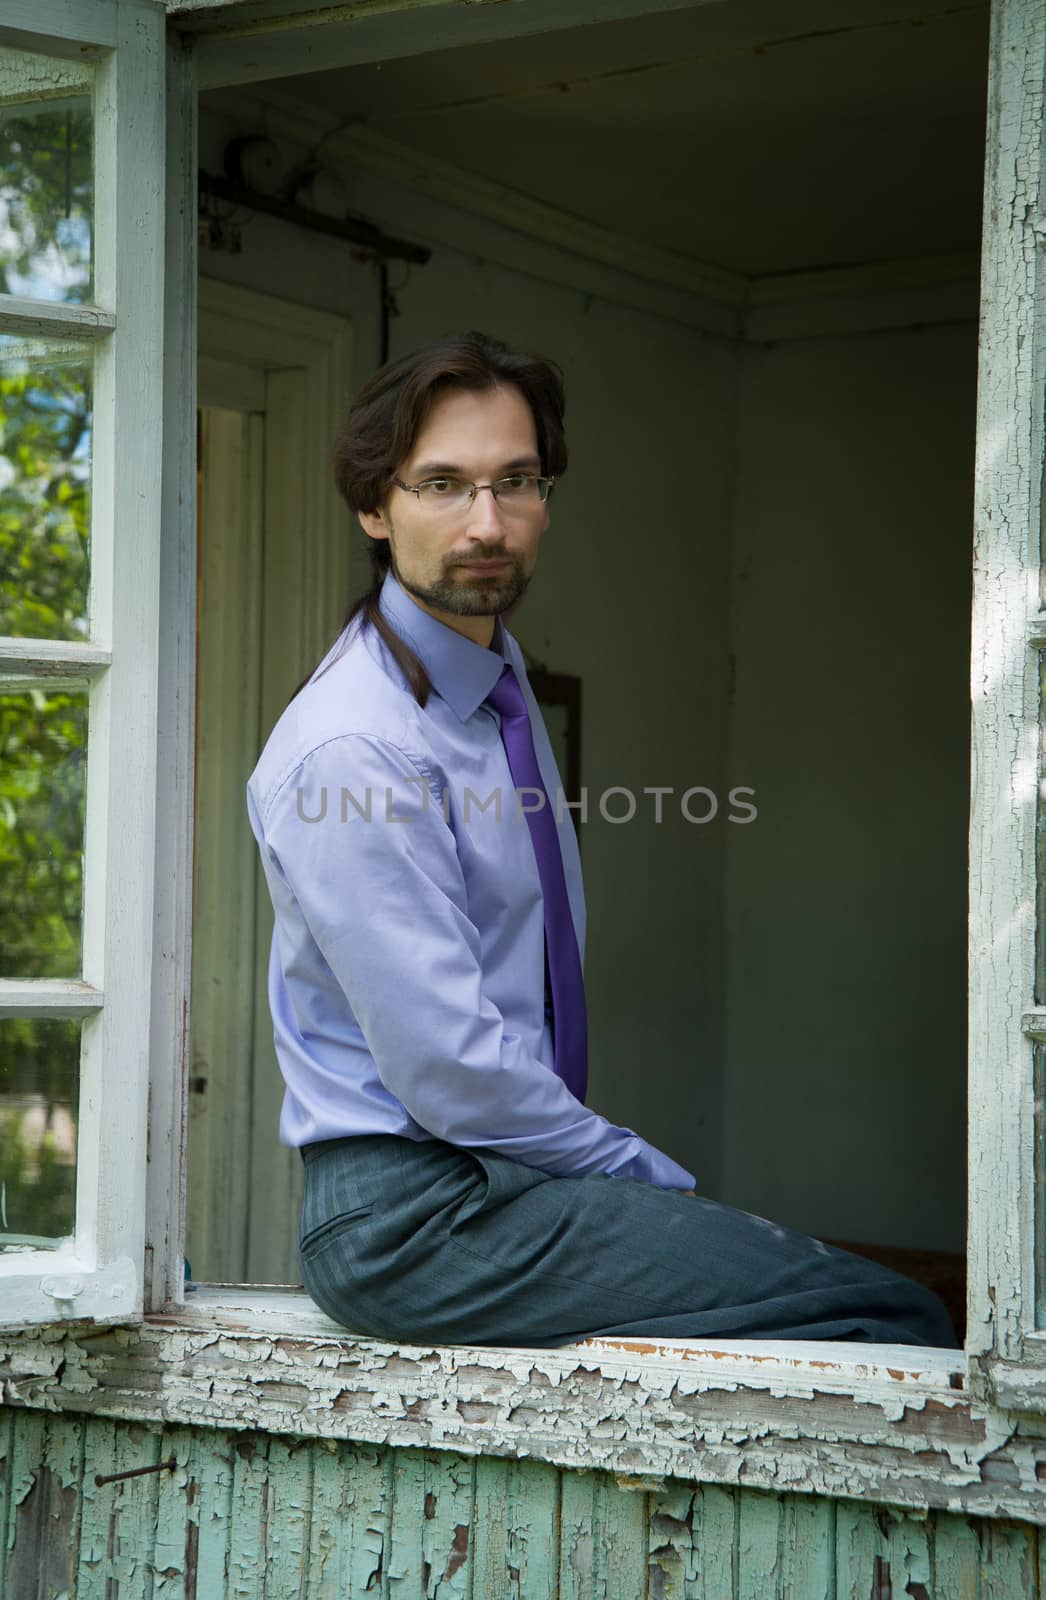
(426, 969)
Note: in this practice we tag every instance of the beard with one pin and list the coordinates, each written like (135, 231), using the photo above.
(471, 595)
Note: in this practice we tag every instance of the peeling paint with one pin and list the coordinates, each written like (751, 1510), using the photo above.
(775, 1422)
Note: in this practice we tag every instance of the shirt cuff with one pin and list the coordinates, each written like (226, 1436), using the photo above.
(653, 1166)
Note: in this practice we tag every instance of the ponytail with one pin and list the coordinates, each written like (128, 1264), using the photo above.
(368, 609)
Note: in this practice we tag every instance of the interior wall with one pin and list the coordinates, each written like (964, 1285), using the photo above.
(759, 564)
(630, 593)
(846, 900)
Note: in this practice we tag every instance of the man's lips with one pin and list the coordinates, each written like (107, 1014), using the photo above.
(483, 566)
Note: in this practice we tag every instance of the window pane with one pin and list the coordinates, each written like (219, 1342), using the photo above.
(45, 470)
(46, 177)
(43, 766)
(39, 1099)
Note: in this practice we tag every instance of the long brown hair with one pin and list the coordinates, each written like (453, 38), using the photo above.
(383, 424)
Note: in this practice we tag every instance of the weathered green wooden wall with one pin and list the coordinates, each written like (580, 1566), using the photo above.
(248, 1516)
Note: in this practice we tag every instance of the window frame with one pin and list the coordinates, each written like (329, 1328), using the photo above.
(1014, 23)
(97, 1272)
(272, 1345)
(1006, 1352)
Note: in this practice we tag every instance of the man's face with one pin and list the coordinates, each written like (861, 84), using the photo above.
(479, 436)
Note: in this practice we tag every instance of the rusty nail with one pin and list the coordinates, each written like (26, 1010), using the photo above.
(134, 1472)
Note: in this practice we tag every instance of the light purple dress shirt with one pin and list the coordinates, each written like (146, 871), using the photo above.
(407, 970)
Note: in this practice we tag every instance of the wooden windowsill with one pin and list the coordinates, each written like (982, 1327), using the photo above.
(892, 1423)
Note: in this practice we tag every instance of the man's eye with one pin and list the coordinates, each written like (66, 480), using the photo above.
(441, 485)
(517, 480)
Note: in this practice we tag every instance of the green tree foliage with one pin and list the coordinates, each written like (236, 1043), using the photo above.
(39, 1071)
(43, 749)
(45, 425)
(46, 191)
(45, 421)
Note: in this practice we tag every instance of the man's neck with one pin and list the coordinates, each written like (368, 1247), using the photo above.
(479, 629)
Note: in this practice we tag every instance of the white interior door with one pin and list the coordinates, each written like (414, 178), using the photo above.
(265, 550)
(228, 646)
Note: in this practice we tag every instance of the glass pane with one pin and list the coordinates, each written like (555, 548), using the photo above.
(39, 1102)
(45, 472)
(46, 178)
(43, 769)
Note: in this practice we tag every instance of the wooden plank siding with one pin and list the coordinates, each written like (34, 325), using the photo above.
(248, 1514)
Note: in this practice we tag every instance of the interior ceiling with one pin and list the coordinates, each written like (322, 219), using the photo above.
(760, 137)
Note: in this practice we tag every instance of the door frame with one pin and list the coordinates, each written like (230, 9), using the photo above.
(243, 327)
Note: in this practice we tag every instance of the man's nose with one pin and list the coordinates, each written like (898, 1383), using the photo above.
(485, 513)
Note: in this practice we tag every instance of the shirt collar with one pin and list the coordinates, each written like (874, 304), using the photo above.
(462, 672)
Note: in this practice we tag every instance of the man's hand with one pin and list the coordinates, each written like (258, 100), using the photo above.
(689, 1191)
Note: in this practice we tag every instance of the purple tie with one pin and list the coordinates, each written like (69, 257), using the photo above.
(570, 1024)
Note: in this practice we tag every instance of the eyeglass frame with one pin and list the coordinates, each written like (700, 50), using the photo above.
(474, 488)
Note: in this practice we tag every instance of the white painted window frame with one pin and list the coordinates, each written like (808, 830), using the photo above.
(1006, 409)
(97, 1272)
(774, 1394)
(1006, 1341)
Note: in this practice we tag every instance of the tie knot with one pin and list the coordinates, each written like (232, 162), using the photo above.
(506, 696)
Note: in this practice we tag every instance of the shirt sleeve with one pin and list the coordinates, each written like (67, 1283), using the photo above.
(385, 900)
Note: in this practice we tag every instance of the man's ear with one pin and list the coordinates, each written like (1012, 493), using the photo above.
(373, 524)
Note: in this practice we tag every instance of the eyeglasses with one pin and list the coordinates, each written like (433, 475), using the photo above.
(519, 492)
